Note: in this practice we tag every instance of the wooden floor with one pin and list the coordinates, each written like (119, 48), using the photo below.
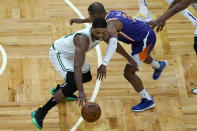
(29, 27)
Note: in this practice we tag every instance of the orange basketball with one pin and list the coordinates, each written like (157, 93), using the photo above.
(91, 112)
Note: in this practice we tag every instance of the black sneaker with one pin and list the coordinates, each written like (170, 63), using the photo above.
(38, 117)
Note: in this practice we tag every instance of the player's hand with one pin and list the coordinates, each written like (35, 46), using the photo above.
(81, 98)
(152, 23)
(75, 21)
(101, 72)
(133, 66)
(159, 25)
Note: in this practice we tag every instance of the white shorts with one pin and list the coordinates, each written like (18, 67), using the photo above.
(63, 64)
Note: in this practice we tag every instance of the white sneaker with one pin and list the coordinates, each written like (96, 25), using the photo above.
(194, 90)
(143, 16)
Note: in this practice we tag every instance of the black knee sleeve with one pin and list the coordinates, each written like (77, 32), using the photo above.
(195, 44)
(69, 88)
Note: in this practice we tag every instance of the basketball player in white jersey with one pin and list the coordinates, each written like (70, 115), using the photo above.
(67, 55)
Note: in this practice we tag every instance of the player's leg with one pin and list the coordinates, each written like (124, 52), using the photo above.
(143, 5)
(187, 14)
(158, 66)
(195, 40)
(144, 55)
(143, 13)
(147, 101)
(85, 70)
(62, 65)
(66, 90)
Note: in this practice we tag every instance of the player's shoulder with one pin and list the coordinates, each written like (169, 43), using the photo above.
(115, 12)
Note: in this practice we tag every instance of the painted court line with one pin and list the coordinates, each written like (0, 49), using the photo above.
(96, 89)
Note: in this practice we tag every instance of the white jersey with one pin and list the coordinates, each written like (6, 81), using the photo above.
(66, 46)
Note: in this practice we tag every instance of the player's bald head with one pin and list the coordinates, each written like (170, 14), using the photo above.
(96, 8)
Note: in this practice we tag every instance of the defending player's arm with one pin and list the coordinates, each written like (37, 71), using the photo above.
(112, 29)
(120, 50)
(78, 21)
(82, 43)
(162, 24)
(178, 7)
(173, 3)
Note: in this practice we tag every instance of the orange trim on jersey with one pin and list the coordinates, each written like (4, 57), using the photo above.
(111, 19)
(124, 35)
(144, 54)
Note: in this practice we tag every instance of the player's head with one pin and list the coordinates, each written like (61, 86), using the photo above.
(96, 10)
(98, 29)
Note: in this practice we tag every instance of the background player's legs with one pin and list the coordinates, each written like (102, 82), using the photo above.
(143, 5)
(195, 40)
(187, 14)
(143, 13)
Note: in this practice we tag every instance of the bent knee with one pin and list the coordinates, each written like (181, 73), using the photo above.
(128, 72)
(59, 96)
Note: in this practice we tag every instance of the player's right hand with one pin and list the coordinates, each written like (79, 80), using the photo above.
(82, 98)
(155, 23)
(75, 21)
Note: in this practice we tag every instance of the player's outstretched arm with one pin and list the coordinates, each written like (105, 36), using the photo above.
(173, 3)
(79, 21)
(111, 29)
(82, 43)
(178, 7)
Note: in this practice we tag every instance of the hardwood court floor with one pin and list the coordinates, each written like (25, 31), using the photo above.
(29, 27)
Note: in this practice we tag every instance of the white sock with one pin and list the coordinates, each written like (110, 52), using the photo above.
(187, 14)
(143, 5)
(144, 94)
(155, 64)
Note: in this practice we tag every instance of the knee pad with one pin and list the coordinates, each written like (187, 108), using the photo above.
(68, 89)
(195, 44)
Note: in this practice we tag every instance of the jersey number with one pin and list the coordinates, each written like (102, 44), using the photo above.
(129, 17)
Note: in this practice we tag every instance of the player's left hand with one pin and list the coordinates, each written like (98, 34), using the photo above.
(101, 72)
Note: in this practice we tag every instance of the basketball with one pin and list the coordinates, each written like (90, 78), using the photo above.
(91, 112)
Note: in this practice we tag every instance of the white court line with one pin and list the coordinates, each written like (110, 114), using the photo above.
(4, 63)
(96, 89)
